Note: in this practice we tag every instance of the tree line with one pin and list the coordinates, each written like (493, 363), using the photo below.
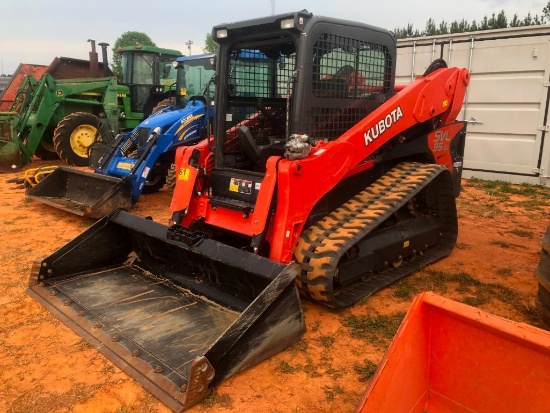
(496, 21)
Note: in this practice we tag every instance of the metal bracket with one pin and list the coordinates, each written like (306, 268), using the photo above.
(544, 128)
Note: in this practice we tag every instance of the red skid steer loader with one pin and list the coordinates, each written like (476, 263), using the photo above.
(320, 173)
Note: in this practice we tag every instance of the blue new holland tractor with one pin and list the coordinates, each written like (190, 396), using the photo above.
(140, 161)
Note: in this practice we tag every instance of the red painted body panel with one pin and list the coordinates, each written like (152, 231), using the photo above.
(300, 184)
(450, 357)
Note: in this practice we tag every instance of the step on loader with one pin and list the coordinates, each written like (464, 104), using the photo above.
(138, 161)
(319, 165)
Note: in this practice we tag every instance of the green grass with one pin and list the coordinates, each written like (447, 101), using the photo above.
(426, 279)
(215, 398)
(326, 341)
(537, 195)
(378, 329)
(300, 346)
(311, 369)
(488, 210)
(498, 243)
(505, 271)
(462, 246)
(476, 292)
(520, 233)
(331, 392)
(506, 187)
(286, 368)
(365, 370)
(532, 204)
(315, 326)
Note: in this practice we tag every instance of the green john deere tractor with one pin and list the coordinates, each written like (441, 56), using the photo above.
(53, 118)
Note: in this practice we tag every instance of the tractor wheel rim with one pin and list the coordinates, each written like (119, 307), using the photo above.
(153, 181)
(82, 138)
(48, 146)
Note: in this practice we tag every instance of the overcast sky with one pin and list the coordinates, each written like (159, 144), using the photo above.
(36, 31)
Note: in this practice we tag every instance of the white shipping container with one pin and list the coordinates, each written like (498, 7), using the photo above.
(506, 105)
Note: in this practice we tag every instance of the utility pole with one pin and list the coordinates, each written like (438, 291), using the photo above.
(188, 44)
(272, 7)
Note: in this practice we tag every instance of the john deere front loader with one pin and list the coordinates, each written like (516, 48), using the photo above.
(54, 118)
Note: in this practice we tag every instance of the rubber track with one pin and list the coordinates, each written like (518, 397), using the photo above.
(542, 274)
(321, 246)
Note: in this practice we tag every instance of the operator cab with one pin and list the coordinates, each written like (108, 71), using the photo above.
(291, 74)
(194, 74)
(295, 74)
(148, 72)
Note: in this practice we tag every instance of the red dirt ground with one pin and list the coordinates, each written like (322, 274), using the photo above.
(45, 367)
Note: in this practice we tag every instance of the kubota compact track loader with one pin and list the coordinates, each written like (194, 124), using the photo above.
(320, 169)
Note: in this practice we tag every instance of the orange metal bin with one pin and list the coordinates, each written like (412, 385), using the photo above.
(450, 357)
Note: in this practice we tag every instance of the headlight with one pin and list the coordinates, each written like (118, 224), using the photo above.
(287, 24)
(221, 34)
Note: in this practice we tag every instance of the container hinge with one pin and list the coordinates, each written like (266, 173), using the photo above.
(546, 84)
(544, 128)
(536, 170)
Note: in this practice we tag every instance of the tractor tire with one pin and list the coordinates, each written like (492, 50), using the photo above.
(155, 180)
(171, 178)
(46, 150)
(545, 242)
(542, 274)
(164, 104)
(74, 134)
(541, 303)
(435, 65)
(543, 269)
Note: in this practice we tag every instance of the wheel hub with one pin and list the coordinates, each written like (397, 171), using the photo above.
(82, 138)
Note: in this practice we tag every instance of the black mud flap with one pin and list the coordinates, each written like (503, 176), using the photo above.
(83, 193)
(178, 318)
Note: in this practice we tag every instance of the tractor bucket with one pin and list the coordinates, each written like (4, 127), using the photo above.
(176, 311)
(83, 193)
(10, 153)
(10, 156)
(450, 357)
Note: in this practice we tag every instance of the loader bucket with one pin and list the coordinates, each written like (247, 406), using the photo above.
(10, 156)
(83, 193)
(450, 357)
(177, 318)
(10, 152)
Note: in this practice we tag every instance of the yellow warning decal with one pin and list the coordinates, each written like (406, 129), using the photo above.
(184, 174)
(124, 165)
(406, 244)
